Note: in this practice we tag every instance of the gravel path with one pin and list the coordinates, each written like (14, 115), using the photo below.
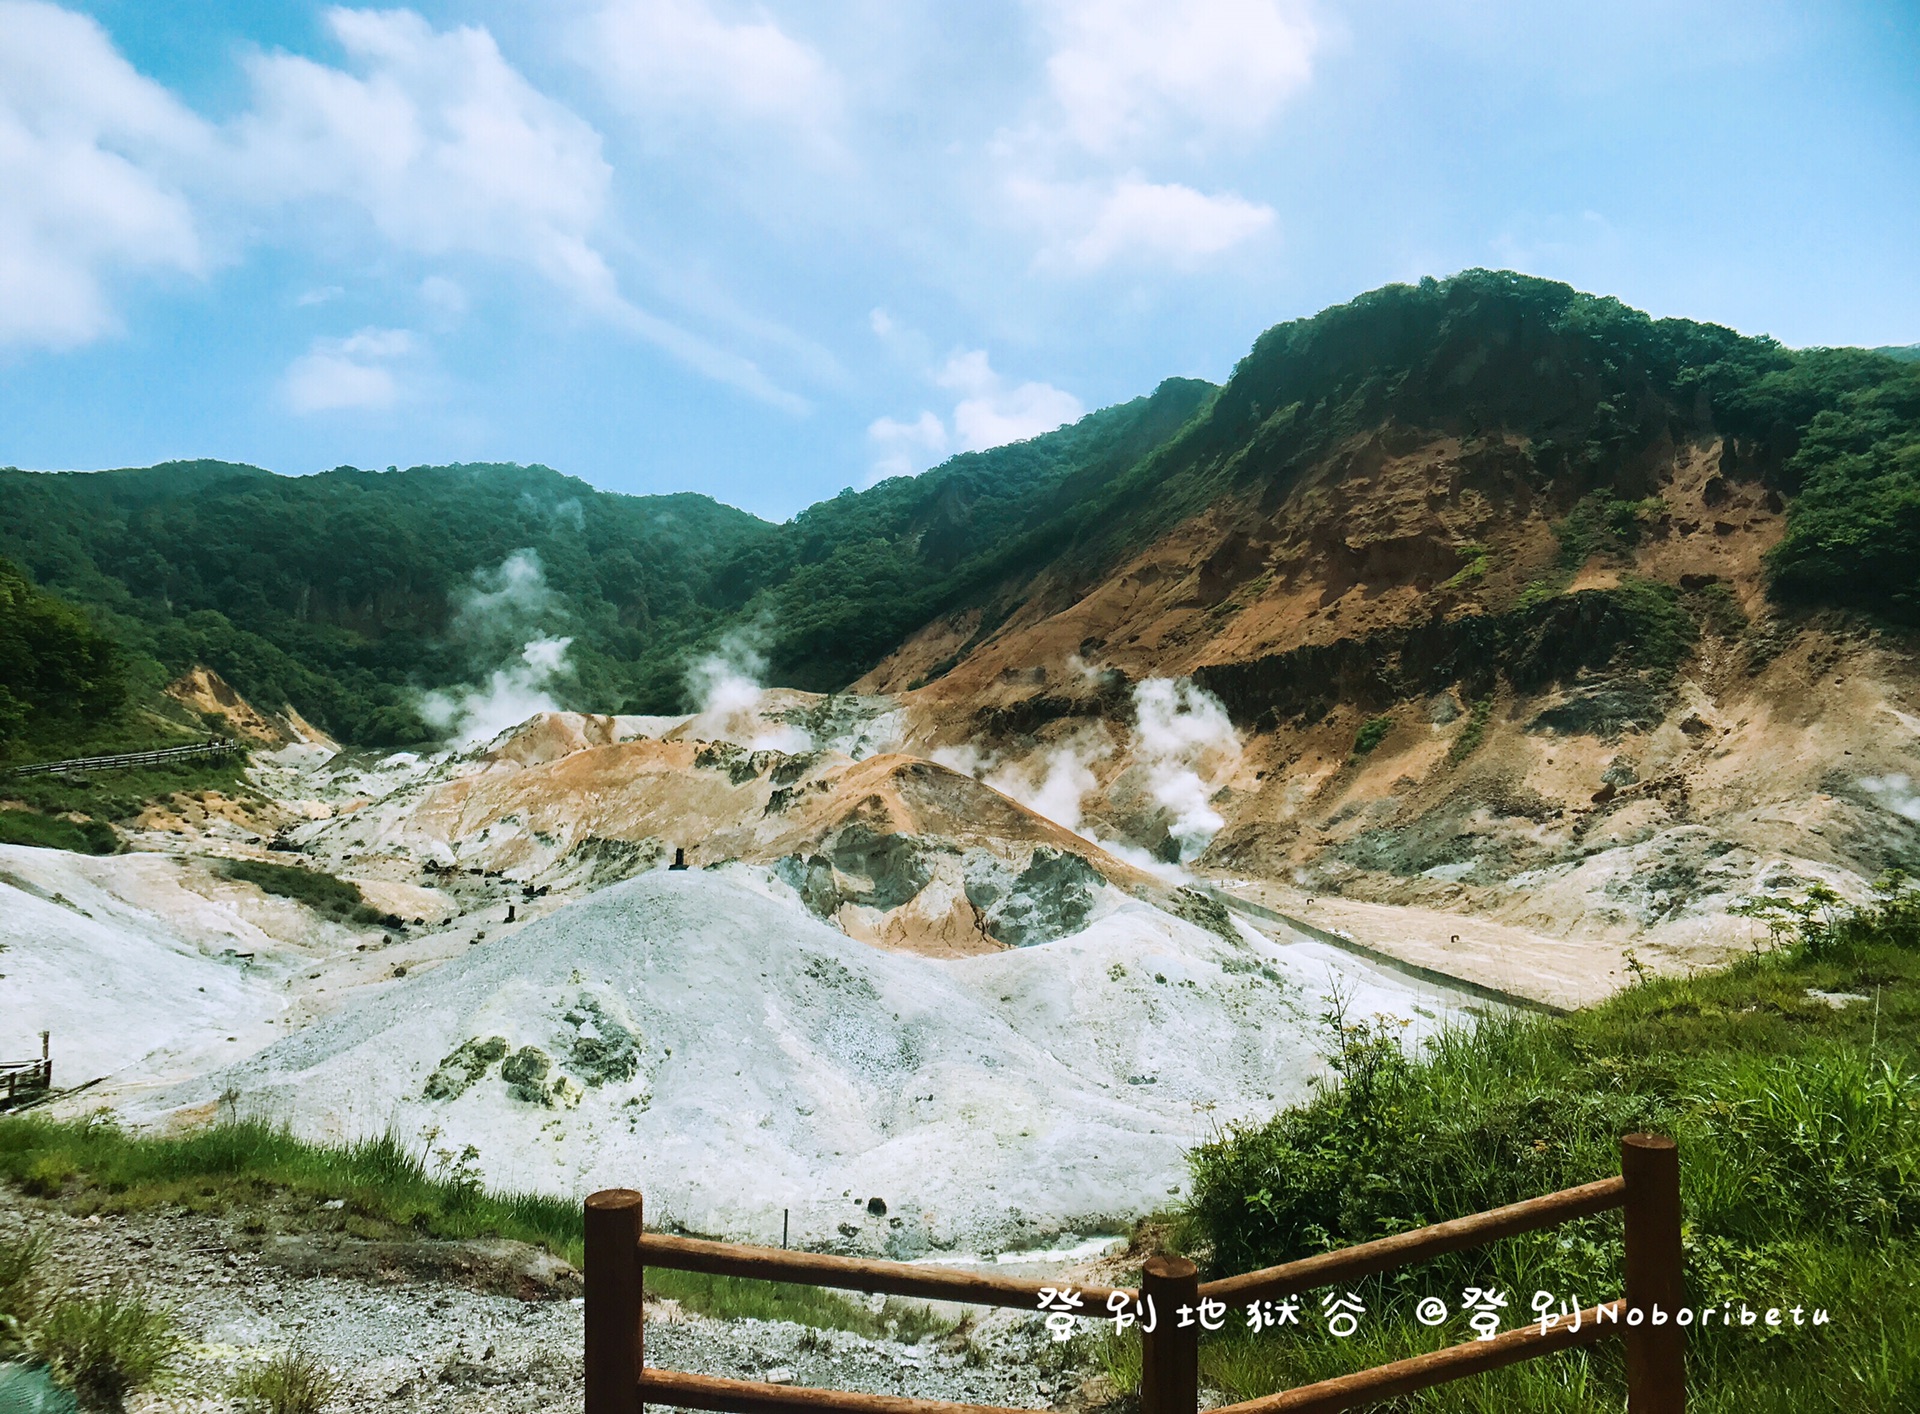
(432, 1326)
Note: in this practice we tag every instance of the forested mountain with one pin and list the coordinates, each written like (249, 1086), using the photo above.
(1591, 393)
(55, 666)
(348, 592)
(339, 592)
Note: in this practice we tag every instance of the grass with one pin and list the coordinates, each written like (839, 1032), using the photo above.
(1799, 1128)
(102, 797)
(21, 1262)
(290, 1382)
(387, 1190)
(1372, 732)
(105, 1347)
(122, 795)
(1474, 559)
(57, 832)
(317, 889)
(1473, 733)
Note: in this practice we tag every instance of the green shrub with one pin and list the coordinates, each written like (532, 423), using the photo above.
(1473, 733)
(53, 832)
(1372, 732)
(105, 1347)
(21, 1259)
(1799, 1129)
(1603, 522)
(322, 892)
(291, 1382)
(1720, 607)
(1662, 633)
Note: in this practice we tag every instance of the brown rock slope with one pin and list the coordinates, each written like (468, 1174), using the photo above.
(895, 850)
(1466, 691)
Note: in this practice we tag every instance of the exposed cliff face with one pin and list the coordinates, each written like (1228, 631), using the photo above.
(1535, 579)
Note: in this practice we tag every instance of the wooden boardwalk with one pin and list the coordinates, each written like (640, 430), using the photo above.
(216, 746)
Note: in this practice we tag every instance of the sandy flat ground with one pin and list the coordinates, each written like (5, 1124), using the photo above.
(1560, 972)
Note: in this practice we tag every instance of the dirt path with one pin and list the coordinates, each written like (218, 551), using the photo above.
(475, 1327)
(1559, 972)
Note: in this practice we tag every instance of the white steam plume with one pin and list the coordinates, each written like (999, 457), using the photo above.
(726, 684)
(1895, 792)
(469, 716)
(1184, 742)
(500, 615)
(1184, 739)
(966, 758)
(1053, 783)
(509, 604)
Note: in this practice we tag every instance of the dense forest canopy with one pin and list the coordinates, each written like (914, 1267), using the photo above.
(55, 666)
(348, 593)
(338, 592)
(1593, 388)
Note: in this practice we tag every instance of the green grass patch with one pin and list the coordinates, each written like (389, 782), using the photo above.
(388, 1190)
(56, 832)
(1603, 522)
(290, 1382)
(1475, 560)
(1538, 591)
(1372, 732)
(121, 795)
(105, 1347)
(1720, 610)
(1473, 733)
(1799, 1127)
(337, 898)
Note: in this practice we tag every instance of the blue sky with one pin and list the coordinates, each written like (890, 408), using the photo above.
(769, 250)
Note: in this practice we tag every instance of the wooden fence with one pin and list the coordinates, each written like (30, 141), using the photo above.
(217, 746)
(22, 1080)
(618, 1251)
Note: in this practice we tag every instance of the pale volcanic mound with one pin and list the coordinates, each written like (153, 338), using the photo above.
(142, 967)
(892, 849)
(690, 1035)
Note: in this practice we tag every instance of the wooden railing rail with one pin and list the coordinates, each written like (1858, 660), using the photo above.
(928, 1283)
(618, 1251)
(1420, 1372)
(28, 1076)
(218, 746)
(1405, 1248)
(686, 1391)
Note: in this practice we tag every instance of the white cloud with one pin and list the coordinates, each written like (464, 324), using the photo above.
(444, 296)
(656, 54)
(89, 158)
(992, 412)
(906, 448)
(354, 373)
(1122, 70)
(446, 148)
(880, 322)
(1089, 225)
(439, 141)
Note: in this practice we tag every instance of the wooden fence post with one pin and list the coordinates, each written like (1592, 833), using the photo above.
(1170, 1352)
(614, 1354)
(1656, 1353)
